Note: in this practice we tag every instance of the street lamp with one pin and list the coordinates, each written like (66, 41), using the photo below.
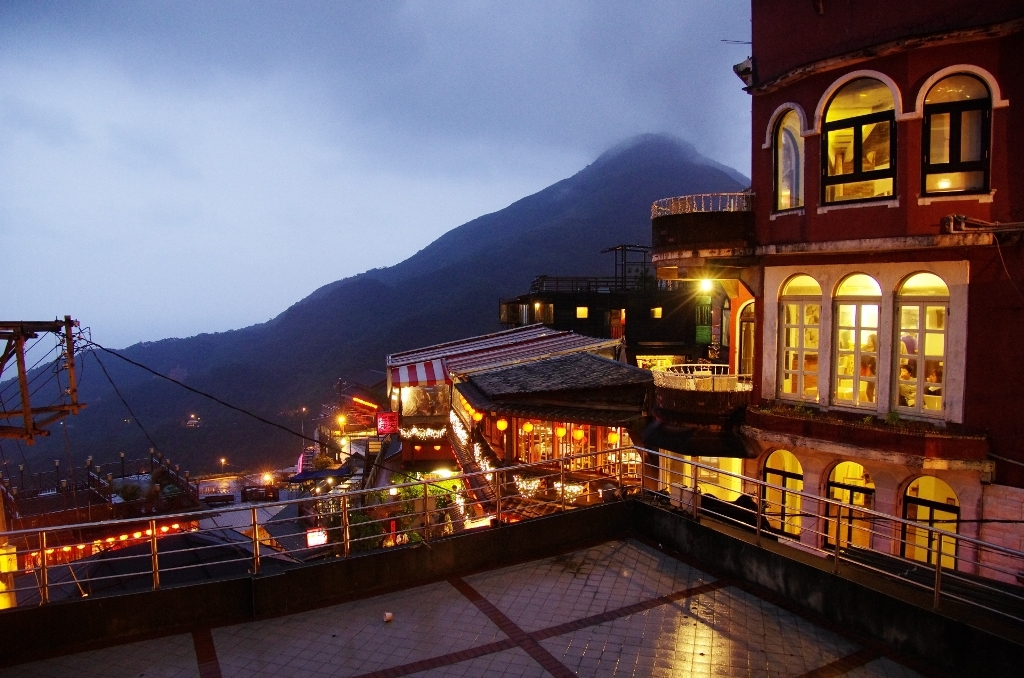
(223, 461)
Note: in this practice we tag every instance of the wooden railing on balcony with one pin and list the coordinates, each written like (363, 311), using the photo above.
(703, 202)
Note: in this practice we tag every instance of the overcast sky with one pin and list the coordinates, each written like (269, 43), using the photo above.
(174, 168)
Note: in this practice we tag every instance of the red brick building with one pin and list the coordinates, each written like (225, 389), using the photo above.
(882, 247)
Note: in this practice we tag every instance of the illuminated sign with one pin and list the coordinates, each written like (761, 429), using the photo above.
(387, 423)
(364, 403)
(316, 537)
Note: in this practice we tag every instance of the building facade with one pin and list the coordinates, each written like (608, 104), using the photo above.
(885, 267)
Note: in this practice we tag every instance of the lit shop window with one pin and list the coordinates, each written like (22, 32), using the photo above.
(582, 311)
(789, 163)
(856, 345)
(850, 484)
(656, 312)
(859, 143)
(957, 120)
(922, 309)
(799, 336)
(933, 504)
(782, 509)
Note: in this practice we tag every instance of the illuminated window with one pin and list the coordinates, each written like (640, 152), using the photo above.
(932, 503)
(656, 312)
(859, 143)
(782, 507)
(856, 345)
(582, 311)
(957, 119)
(922, 309)
(789, 163)
(798, 338)
(850, 484)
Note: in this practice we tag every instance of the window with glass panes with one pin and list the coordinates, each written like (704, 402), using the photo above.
(799, 329)
(957, 120)
(859, 143)
(922, 312)
(856, 341)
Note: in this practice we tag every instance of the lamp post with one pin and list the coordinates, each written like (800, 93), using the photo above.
(223, 461)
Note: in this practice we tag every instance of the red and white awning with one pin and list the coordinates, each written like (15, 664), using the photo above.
(425, 373)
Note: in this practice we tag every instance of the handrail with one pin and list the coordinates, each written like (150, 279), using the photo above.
(701, 377)
(703, 202)
(349, 523)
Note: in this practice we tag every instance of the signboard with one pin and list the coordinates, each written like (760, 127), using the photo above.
(387, 423)
(373, 446)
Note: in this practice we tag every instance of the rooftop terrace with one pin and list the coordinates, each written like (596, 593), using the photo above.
(620, 608)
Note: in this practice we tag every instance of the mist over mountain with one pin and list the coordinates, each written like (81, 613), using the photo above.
(447, 290)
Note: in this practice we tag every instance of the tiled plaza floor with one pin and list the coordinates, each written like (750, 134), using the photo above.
(617, 609)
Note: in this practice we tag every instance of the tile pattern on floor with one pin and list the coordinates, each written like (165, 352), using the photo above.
(167, 657)
(547, 592)
(617, 609)
(352, 638)
(724, 632)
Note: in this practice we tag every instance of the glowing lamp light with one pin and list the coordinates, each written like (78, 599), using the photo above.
(443, 473)
(613, 437)
(267, 478)
(577, 435)
(560, 432)
(164, 528)
(393, 491)
(437, 447)
(705, 285)
(123, 537)
(341, 419)
(49, 551)
(944, 183)
(81, 547)
(317, 537)
(174, 526)
(477, 416)
(502, 424)
(66, 549)
(110, 540)
(149, 533)
(417, 447)
(528, 427)
(136, 535)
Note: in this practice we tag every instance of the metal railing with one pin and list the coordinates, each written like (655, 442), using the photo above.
(107, 558)
(703, 202)
(695, 377)
(950, 565)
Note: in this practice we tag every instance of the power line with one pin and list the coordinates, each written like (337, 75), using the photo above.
(125, 403)
(204, 394)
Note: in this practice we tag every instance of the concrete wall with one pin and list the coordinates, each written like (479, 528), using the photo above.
(1001, 502)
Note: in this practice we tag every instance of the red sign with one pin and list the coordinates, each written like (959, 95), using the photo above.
(387, 423)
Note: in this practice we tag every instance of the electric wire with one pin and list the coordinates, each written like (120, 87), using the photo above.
(999, 249)
(204, 394)
(126, 405)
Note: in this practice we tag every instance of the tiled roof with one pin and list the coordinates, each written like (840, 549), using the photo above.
(572, 372)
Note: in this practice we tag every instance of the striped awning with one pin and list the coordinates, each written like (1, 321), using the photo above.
(425, 373)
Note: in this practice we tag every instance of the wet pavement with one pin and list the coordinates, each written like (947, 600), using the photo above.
(618, 609)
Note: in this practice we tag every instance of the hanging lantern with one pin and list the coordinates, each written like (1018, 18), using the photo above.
(613, 437)
(502, 424)
(477, 416)
(527, 427)
(577, 435)
(560, 432)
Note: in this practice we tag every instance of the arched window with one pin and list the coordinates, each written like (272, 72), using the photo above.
(789, 163)
(856, 345)
(782, 510)
(849, 484)
(932, 503)
(957, 120)
(859, 143)
(745, 352)
(798, 338)
(922, 307)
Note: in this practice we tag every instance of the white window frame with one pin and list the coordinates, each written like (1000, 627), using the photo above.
(890, 276)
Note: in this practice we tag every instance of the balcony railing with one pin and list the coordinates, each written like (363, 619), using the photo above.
(694, 377)
(703, 202)
(51, 566)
